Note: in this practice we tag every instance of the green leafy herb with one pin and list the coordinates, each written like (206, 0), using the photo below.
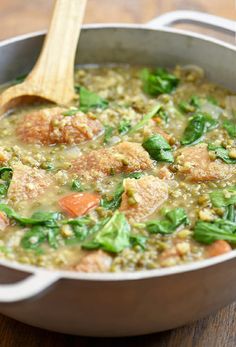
(222, 153)
(220, 229)
(89, 100)
(230, 213)
(223, 197)
(42, 218)
(158, 148)
(199, 124)
(81, 228)
(146, 118)
(108, 132)
(113, 237)
(5, 179)
(114, 202)
(76, 186)
(158, 82)
(124, 126)
(173, 219)
(230, 127)
(138, 240)
(39, 234)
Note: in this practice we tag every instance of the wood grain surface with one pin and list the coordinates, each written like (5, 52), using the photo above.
(22, 16)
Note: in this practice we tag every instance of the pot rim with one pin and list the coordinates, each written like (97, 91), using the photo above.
(123, 276)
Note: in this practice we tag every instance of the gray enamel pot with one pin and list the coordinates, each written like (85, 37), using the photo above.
(125, 303)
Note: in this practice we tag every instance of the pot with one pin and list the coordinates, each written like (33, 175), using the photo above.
(124, 304)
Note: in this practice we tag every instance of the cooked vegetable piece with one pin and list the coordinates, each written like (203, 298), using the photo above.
(220, 229)
(217, 248)
(146, 118)
(158, 82)
(78, 204)
(230, 127)
(222, 153)
(89, 100)
(158, 148)
(223, 197)
(230, 213)
(173, 219)
(198, 125)
(113, 237)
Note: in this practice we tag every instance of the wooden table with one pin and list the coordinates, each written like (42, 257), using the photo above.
(18, 17)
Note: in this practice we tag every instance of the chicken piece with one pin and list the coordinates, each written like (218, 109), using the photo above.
(27, 183)
(50, 126)
(94, 261)
(143, 196)
(4, 221)
(124, 157)
(195, 163)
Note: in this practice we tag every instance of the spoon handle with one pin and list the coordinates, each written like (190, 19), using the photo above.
(54, 70)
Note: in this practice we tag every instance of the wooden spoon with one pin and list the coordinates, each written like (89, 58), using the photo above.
(52, 77)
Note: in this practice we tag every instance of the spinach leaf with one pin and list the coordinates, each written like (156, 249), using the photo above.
(44, 218)
(223, 197)
(108, 132)
(160, 81)
(138, 240)
(113, 237)
(76, 186)
(158, 148)
(220, 229)
(89, 100)
(173, 219)
(230, 127)
(198, 124)
(115, 201)
(222, 153)
(5, 179)
(229, 213)
(39, 234)
(146, 118)
(124, 126)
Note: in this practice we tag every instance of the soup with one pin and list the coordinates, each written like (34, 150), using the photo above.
(138, 174)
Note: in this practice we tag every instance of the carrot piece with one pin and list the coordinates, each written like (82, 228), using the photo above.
(218, 247)
(78, 204)
(4, 221)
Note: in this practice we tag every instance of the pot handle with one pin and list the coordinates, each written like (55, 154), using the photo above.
(208, 20)
(28, 287)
